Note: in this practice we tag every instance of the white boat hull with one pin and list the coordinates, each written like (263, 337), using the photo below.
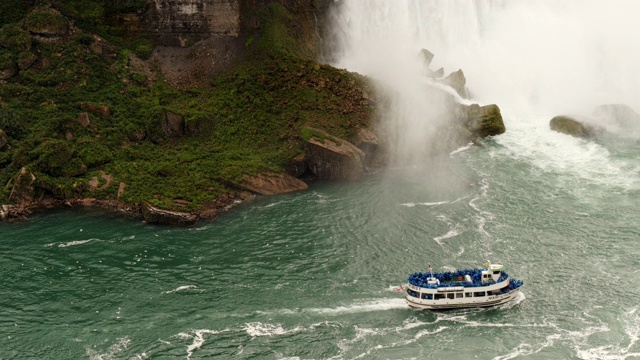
(463, 303)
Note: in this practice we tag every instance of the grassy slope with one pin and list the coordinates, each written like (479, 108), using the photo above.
(248, 121)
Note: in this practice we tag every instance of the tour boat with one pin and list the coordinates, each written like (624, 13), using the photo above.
(466, 288)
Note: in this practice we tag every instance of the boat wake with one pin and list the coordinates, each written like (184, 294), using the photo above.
(363, 306)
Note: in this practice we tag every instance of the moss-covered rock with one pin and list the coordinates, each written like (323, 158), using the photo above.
(571, 126)
(484, 121)
(26, 60)
(46, 22)
(14, 38)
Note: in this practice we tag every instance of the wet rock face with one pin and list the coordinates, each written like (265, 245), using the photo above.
(182, 23)
(272, 184)
(570, 126)
(485, 120)
(332, 158)
(154, 215)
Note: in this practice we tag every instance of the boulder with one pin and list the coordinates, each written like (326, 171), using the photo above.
(436, 74)
(172, 124)
(8, 69)
(23, 187)
(570, 126)
(458, 82)
(46, 23)
(5, 211)
(154, 215)
(331, 158)
(483, 121)
(272, 184)
(427, 57)
(25, 60)
(97, 109)
(83, 119)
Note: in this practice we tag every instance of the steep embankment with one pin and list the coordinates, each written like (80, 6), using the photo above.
(84, 120)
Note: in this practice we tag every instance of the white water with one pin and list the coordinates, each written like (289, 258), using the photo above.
(536, 59)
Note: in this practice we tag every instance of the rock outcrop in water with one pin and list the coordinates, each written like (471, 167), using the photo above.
(155, 215)
(610, 120)
(570, 126)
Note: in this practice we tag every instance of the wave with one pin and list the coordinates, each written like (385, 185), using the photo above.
(451, 233)
(412, 204)
(71, 243)
(182, 288)
(198, 337)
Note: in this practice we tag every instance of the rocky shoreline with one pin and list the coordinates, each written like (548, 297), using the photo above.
(326, 157)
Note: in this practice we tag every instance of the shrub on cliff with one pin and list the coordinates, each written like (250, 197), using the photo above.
(12, 11)
(92, 153)
(55, 157)
(46, 23)
(14, 38)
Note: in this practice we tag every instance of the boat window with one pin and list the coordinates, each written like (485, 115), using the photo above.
(439, 296)
(450, 296)
(496, 272)
(479, 293)
(427, 296)
(467, 294)
(458, 295)
(412, 293)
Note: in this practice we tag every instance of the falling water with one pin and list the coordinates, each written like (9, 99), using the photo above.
(535, 59)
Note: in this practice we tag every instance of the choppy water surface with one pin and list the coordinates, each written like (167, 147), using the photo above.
(313, 275)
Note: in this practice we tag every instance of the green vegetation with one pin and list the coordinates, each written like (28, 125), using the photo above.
(75, 115)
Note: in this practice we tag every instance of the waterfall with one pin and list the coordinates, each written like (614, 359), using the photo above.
(544, 57)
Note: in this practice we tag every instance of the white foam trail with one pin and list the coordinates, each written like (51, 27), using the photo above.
(412, 204)
(71, 243)
(451, 233)
(181, 288)
(461, 149)
(364, 306)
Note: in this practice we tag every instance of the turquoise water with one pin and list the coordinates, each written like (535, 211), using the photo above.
(313, 275)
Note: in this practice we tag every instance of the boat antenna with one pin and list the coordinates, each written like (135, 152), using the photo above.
(430, 271)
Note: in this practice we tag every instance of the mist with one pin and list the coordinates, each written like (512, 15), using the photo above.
(543, 57)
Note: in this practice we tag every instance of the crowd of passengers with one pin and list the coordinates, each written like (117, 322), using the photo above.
(453, 278)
